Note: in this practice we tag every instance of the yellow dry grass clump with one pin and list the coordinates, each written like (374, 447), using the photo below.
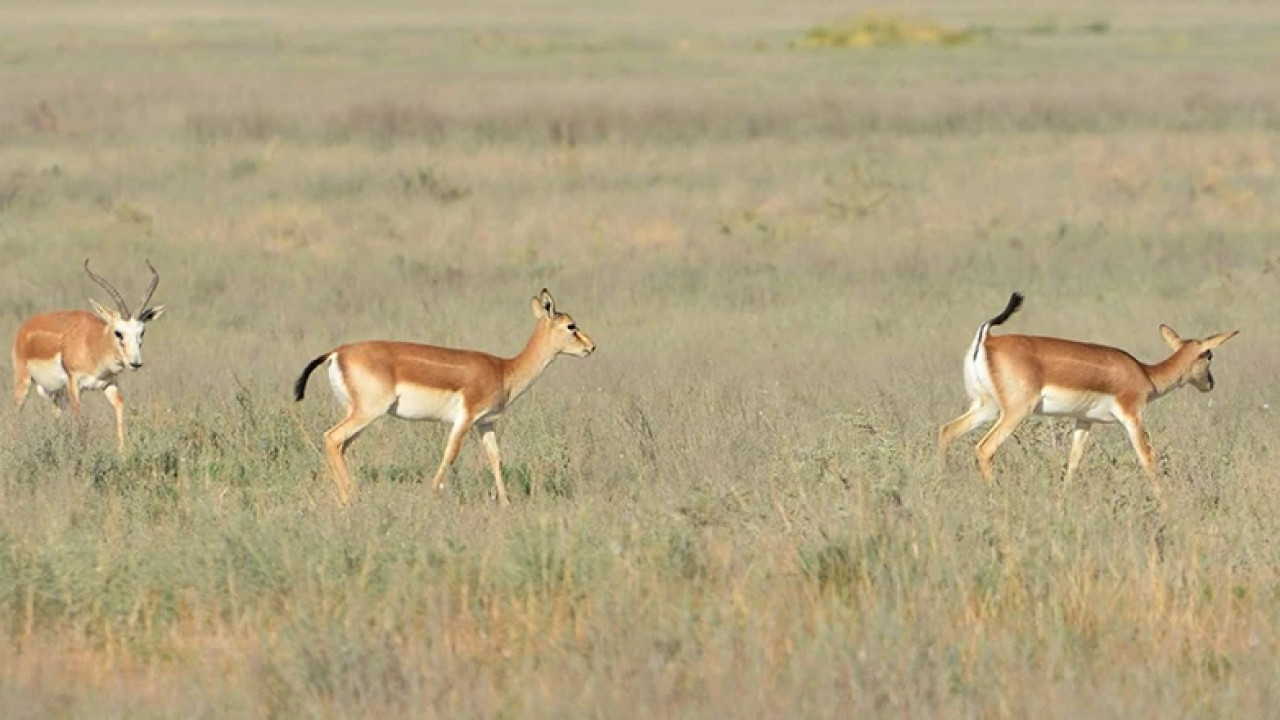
(871, 30)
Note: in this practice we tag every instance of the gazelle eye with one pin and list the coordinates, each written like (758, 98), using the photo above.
(571, 327)
(119, 335)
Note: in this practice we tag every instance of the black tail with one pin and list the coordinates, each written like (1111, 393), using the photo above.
(1015, 302)
(300, 387)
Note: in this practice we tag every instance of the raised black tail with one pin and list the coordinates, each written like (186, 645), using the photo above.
(300, 387)
(1015, 302)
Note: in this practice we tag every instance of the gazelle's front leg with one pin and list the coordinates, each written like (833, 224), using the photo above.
(451, 449)
(72, 391)
(117, 401)
(489, 438)
(1138, 438)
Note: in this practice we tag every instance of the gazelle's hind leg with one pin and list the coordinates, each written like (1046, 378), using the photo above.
(1011, 416)
(336, 440)
(365, 400)
(21, 380)
(980, 411)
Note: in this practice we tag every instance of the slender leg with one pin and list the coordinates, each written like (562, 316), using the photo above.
(1010, 419)
(113, 395)
(1078, 438)
(489, 438)
(21, 381)
(73, 394)
(336, 440)
(1138, 438)
(57, 399)
(978, 413)
(451, 449)
(71, 398)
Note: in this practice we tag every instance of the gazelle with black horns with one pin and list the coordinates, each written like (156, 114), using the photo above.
(72, 350)
(1010, 377)
(464, 388)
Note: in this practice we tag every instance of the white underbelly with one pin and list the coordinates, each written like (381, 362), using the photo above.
(419, 403)
(49, 374)
(1082, 405)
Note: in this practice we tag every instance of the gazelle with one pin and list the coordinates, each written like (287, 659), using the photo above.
(464, 388)
(72, 350)
(1010, 377)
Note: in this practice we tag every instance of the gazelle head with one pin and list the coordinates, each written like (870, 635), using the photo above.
(1197, 372)
(565, 335)
(125, 329)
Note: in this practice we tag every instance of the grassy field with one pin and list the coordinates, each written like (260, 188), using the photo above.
(732, 508)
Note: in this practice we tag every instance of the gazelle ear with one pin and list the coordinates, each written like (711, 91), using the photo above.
(544, 305)
(1210, 343)
(151, 313)
(108, 316)
(1170, 337)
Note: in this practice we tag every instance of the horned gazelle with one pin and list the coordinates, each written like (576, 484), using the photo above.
(1010, 377)
(72, 350)
(464, 388)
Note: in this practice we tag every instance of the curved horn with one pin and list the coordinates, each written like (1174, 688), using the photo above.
(151, 289)
(115, 294)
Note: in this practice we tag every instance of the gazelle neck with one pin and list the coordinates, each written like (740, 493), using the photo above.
(1171, 374)
(522, 370)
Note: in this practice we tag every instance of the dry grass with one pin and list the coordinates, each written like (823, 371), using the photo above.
(731, 509)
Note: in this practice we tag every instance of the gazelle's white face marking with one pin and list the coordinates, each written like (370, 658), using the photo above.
(126, 333)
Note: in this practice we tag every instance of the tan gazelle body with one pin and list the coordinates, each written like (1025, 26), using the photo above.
(464, 388)
(1011, 377)
(69, 351)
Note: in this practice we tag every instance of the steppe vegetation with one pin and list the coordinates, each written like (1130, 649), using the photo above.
(732, 508)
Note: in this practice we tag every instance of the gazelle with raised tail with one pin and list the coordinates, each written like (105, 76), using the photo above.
(464, 388)
(1010, 377)
(69, 351)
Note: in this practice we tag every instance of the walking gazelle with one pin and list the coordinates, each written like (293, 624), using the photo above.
(464, 388)
(72, 350)
(1010, 377)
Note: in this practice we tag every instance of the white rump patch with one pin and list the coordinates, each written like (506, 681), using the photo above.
(977, 373)
(338, 383)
